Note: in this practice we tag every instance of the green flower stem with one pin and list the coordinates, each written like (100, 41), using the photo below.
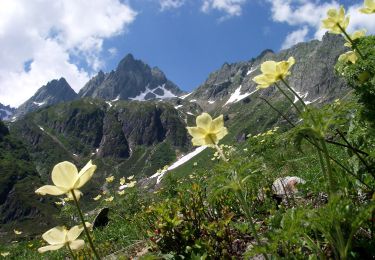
(354, 46)
(290, 100)
(281, 114)
(329, 167)
(218, 149)
(249, 216)
(356, 151)
(294, 93)
(321, 161)
(221, 153)
(71, 252)
(84, 226)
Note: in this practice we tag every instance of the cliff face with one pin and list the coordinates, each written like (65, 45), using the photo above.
(115, 133)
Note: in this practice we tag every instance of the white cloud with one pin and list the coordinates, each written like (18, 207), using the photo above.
(229, 7)
(309, 13)
(295, 37)
(53, 36)
(170, 4)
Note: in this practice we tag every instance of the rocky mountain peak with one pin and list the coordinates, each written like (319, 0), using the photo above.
(54, 92)
(132, 80)
(6, 112)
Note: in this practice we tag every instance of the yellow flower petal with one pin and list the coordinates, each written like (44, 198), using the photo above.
(77, 193)
(77, 244)
(130, 177)
(217, 124)
(369, 7)
(97, 197)
(122, 181)
(204, 121)
(223, 132)
(64, 175)
(50, 248)
(17, 232)
(336, 19)
(74, 233)
(198, 141)
(196, 132)
(51, 190)
(109, 179)
(85, 174)
(268, 67)
(55, 235)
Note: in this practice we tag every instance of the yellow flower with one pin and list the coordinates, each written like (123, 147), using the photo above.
(17, 232)
(208, 132)
(131, 184)
(356, 35)
(59, 203)
(335, 20)
(369, 7)
(58, 237)
(348, 56)
(109, 179)
(5, 254)
(272, 72)
(130, 177)
(67, 179)
(97, 197)
(121, 192)
(122, 181)
(109, 199)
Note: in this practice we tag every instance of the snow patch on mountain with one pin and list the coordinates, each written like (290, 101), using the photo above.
(39, 103)
(5, 114)
(185, 96)
(116, 99)
(179, 162)
(251, 70)
(166, 93)
(237, 96)
(303, 96)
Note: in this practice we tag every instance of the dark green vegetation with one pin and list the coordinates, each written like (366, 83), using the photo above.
(19, 205)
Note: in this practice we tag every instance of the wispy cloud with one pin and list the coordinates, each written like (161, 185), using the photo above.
(170, 4)
(49, 36)
(295, 37)
(306, 15)
(229, 7)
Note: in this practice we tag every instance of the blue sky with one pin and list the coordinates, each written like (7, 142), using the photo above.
(188, 44)
(187, 39)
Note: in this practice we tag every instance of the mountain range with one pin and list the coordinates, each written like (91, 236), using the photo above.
(131, 121)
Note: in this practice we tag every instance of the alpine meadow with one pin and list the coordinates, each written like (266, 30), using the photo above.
(269, 158)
